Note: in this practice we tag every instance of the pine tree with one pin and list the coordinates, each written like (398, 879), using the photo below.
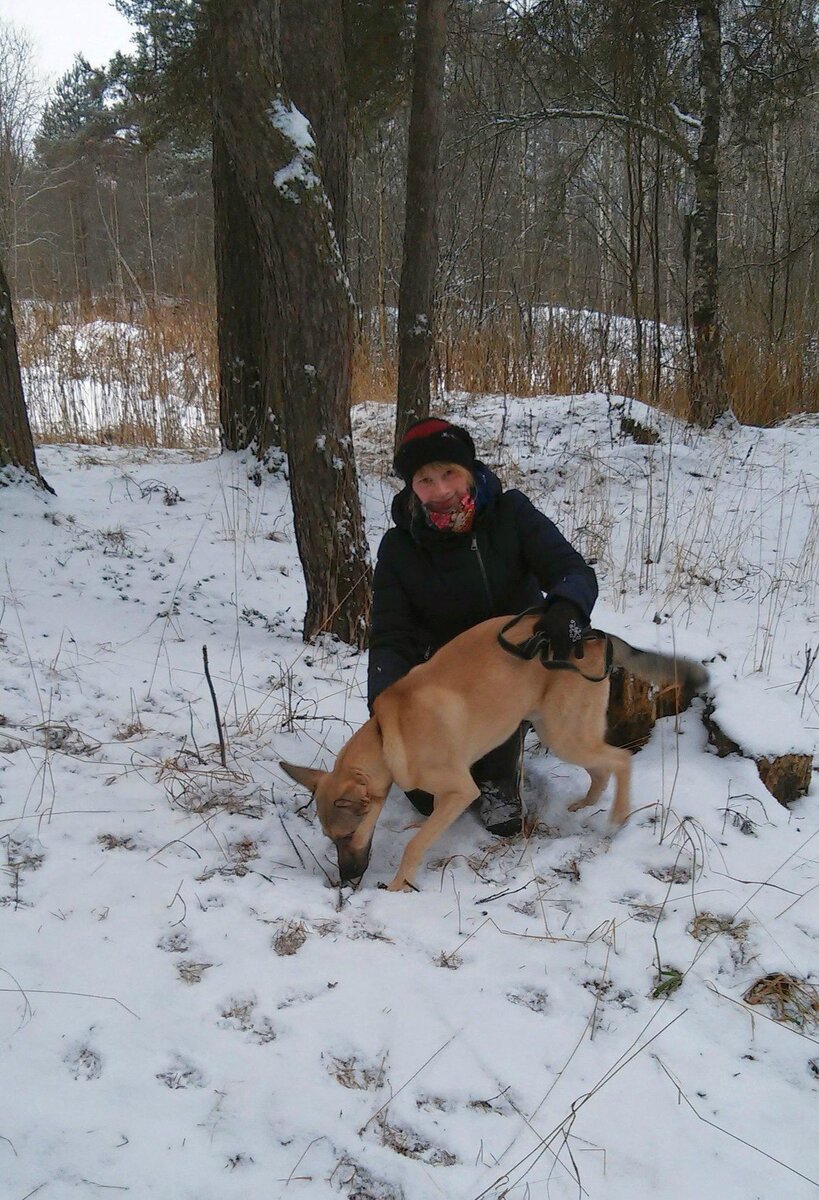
(278, 168)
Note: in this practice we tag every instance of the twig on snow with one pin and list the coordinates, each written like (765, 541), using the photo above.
(215, 708)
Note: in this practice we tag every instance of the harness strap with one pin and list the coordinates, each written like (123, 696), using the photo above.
(538, 646)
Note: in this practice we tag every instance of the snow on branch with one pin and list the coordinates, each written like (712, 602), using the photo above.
(686, 118)
(605, 117)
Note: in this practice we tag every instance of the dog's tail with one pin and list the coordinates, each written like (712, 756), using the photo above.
(659, 668)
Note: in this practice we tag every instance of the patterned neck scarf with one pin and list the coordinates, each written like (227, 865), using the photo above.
(454, 520)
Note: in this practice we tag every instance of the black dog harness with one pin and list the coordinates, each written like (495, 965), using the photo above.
(538, 646)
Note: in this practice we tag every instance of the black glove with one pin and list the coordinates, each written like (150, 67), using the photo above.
(563, 624)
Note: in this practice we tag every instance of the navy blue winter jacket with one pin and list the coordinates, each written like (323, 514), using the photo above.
(430, 585)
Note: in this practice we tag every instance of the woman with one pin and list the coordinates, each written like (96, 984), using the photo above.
(464, 550)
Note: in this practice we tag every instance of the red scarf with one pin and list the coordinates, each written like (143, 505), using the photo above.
(454, 520)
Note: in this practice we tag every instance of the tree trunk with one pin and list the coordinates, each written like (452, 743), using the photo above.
(16, 442)
(249, 336)
(278, 171)
(312, 58)
(709, 399)
(416, 295)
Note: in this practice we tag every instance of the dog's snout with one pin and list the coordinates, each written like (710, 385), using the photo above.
(352, 861)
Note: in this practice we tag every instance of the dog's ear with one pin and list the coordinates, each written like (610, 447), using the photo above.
(307, 776)
(356, 804)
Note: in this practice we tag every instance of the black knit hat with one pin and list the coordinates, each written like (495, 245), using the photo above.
(433, 440)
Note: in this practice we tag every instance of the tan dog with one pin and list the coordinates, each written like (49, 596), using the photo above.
(434, 723)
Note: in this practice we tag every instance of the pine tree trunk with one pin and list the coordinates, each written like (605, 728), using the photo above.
(16, 442)
(311, 50)
(251, 405)
(250, 367)
(278, 171)
(709, 399)
(416, 295)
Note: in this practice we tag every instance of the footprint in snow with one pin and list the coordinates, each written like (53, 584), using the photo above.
(83, 1063)
(181, 1074)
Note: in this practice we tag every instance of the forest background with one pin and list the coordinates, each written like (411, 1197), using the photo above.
(508, 197)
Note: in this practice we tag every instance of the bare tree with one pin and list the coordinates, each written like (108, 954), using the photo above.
(19, 102)
(416, 297)
(279, 173)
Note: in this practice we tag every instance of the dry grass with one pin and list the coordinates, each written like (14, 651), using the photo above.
(192, 972)
(145, 377)
(706, 925)
(373, 379)
(789, 1000)
(766, 382)
(572, 353)
(290, 938)
(497, 358)
(410, 1144)
(355, 1075)
(148, 376)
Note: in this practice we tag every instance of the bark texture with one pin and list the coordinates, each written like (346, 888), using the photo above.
(311, 42)
(279, 173)
(249, 337)
(635, 706)
(710, 398)
(16, 442)
(416, 295)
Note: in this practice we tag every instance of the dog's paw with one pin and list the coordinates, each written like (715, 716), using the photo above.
(399, 884)
(579, 805)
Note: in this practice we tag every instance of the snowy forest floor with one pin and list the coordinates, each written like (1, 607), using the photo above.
(190, 1008)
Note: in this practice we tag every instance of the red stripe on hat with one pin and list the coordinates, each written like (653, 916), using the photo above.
(425, 428)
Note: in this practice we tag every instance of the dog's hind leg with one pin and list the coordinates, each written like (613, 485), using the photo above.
(587, 749)
(449, 805)
(599, 778)
(601, 763)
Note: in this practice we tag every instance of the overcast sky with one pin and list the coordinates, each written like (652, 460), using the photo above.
(60, 29)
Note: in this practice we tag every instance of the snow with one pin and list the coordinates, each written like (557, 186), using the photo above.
(190, 1009)
(757, 719)
(295, 127)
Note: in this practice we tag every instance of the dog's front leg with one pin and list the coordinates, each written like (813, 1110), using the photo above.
(448, 807)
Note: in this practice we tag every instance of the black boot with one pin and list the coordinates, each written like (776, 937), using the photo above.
(500, 807)
(498, 775)
(422, 801)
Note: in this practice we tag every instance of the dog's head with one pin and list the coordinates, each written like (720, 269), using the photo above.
(348, 807)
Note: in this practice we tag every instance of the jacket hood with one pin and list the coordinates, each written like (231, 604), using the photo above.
(489, 489)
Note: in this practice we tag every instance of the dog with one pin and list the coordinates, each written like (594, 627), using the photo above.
(429, 727)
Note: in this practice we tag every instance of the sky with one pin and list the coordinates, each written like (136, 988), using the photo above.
(61, 29)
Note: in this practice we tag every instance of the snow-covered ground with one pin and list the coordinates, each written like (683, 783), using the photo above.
(190, 1009)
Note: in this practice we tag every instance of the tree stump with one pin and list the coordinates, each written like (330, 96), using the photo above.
(750, 722)
(787, 776)
(635, 706)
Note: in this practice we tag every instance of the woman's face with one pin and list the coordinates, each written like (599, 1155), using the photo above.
(441, 486)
